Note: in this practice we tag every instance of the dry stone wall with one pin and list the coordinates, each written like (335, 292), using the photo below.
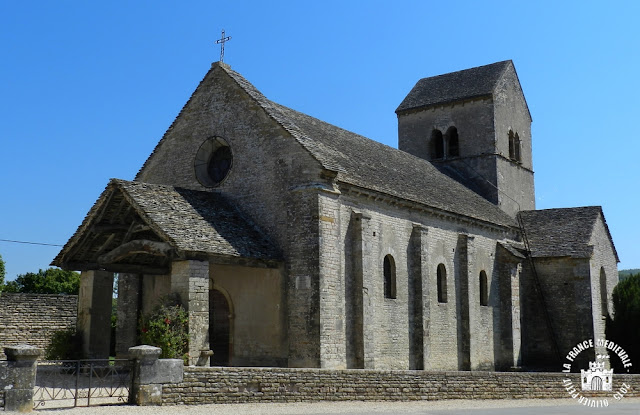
(203, 385)
(33, 318)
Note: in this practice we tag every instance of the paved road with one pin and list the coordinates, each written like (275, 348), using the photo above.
(627, 406)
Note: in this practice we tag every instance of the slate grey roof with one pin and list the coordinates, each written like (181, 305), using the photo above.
(513, 249)
(454, 86)
(564, 232)
(193, 222)
(371, 165)
(197, 221)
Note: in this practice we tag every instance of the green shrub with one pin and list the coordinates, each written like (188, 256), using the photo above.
(64, 345)
(167, 327)
(624, 329)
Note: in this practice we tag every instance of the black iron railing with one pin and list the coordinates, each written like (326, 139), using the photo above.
(66, 383)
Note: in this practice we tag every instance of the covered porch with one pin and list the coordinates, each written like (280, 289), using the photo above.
(162, 240)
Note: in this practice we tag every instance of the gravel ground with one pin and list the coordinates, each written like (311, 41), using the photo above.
(350, 407)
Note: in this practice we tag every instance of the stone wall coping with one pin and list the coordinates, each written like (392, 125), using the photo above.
(35, 295)
(476, 373)
(145, 354)
(23, 352)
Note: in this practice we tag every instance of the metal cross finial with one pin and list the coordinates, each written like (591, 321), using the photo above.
(221, 42)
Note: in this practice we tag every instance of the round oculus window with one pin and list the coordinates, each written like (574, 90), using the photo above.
(213, 161)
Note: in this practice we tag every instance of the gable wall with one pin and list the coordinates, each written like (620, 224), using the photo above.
(603, 257)
(267, 180)
(388, 332)
(566, 290)
(267, 162)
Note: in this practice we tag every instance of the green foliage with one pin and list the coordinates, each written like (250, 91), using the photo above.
(114, 323)
(624, 328)
(2, 272)
(64, 345)
(167, 327)
(49, 281)
(626, 273)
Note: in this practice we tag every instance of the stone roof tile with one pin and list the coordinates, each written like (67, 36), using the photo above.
(371, 165)
(454, 86)
(198, 221)
(563, 232)
(363, 162)
(193, 222)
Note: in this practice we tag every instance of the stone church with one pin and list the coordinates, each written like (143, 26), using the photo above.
(292, 242)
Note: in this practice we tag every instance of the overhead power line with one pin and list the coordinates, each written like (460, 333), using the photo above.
(28, 243)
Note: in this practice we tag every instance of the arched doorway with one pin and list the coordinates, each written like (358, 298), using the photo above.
(596, 383)
(219, 328)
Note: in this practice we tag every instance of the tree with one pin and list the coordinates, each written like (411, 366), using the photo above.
(624, 329)
(49, 281)
(2, 271)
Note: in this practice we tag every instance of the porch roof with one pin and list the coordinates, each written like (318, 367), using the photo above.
(139, 226)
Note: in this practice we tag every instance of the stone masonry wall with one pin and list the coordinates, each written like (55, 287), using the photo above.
(603, 264)
(33, 318)
(203, 385)
(360, 328)
(566, 290)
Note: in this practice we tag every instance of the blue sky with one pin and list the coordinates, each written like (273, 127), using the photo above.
(88, 89)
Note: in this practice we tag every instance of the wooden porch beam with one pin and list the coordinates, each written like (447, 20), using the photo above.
(137, 246)
(123, 268)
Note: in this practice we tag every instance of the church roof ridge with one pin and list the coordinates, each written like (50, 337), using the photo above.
(271, 108)
(376, 166)
(363, 162)
(454, 86)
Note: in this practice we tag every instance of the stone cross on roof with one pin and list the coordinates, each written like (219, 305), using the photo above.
(221, 42)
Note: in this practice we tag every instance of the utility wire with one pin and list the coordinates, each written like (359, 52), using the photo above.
(29, 243)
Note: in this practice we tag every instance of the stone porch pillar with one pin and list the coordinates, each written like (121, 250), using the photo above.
(94, 313)
(190, 280)
(129, 299)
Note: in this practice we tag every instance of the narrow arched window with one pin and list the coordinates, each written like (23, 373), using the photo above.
(512, 145)
(603, 293)
(451, 138)
(516, 148)
(484, 289)
(437, 144)
(442, 283)
(389, 277)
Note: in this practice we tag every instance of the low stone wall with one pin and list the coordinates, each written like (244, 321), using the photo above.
(4, 374)
(202, 385)
(32, 318)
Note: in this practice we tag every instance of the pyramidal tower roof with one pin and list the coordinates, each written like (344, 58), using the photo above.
(455, 86)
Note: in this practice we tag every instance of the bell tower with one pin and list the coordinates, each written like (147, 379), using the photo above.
(474, 126)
